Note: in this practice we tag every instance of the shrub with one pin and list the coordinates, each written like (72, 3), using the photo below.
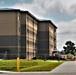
(53, 57)
(62, 59)
(70, 56)
(34, 58)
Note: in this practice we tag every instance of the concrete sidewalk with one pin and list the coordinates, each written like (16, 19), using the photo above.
(67, 67)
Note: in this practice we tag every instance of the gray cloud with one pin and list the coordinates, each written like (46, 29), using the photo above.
(41, 7)
(66, 31)
(2, 2)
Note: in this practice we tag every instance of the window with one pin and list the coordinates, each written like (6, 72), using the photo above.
(30, 42)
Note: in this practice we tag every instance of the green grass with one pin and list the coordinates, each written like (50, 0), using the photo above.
(9, 65)
(28, 65)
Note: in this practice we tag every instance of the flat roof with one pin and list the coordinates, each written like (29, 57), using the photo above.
(23, 11)
(49, 22)
(17, 10)
(8, 9)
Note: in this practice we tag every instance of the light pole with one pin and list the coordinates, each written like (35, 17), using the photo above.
(18, 58)
(18, 35)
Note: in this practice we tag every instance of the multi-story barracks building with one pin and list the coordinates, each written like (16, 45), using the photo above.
(23, 35)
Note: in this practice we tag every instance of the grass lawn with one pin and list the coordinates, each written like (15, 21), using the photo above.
(29, 65)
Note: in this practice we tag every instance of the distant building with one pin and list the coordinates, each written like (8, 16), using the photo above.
(23, 35)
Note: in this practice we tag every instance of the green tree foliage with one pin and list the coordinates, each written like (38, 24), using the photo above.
(69, 48)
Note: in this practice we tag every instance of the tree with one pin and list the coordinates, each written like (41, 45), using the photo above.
(69, 48)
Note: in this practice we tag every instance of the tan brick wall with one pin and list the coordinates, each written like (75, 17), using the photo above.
(7, 23)
(31, 27)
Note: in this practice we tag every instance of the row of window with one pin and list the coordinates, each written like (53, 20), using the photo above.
(31, 42)
(31, 34)
(30, 19)
(52, 45)
(31, 38)
(32, 28)
(52, 40)
(31, 53)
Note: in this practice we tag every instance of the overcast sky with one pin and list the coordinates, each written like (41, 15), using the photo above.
(61, 12)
